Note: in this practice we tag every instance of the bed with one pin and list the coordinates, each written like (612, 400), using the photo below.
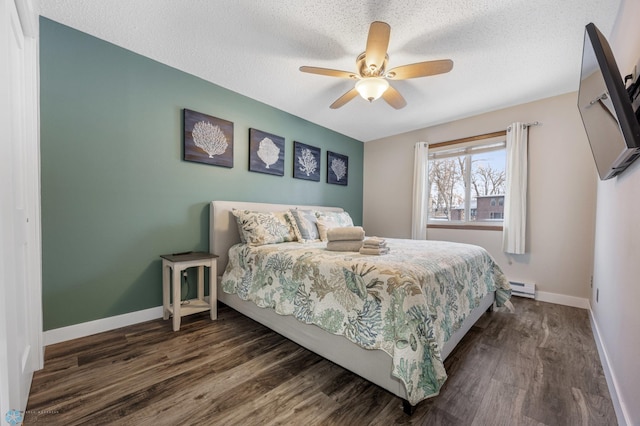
(391, 363)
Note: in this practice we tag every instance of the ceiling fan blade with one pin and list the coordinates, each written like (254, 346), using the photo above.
(394, 98)
(377, 44)
(420, 69)
(329, 72)
(344, 99)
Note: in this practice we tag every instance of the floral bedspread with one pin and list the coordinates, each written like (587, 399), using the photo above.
(406, 303)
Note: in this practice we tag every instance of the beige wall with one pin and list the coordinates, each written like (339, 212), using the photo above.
(562, 194)
(617, 252)
(566, 244)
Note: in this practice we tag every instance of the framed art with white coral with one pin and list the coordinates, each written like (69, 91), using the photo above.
(207, 139)
(266, 153)
(337, 168)
(306, 162)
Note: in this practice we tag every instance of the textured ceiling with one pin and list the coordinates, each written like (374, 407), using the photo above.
(505, 52)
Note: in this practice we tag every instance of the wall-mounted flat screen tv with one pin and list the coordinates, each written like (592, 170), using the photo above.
(606, 108)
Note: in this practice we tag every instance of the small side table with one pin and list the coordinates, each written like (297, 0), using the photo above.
(178, 263)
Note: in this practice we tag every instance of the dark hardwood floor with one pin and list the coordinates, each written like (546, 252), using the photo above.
(538, 366)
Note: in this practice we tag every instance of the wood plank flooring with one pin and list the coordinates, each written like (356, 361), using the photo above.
(538, 366)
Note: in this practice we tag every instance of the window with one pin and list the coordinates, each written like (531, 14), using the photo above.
(467, 180)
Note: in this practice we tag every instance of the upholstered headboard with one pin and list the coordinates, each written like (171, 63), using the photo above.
(223, 230)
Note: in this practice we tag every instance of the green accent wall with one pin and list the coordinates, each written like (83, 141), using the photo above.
(116, 193)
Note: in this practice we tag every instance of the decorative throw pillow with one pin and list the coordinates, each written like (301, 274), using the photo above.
(243, 240)
(342, 218)
(327, 220)
(259, 228)
(294, 226)
(324, 224)
(306, 224)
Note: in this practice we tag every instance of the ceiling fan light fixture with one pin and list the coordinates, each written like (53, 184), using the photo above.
(372, 88)
(372, 74)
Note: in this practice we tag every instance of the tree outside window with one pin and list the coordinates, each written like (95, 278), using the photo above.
(467, 184)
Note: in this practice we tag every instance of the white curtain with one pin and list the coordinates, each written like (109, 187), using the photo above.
(515, 203)
(420, 191)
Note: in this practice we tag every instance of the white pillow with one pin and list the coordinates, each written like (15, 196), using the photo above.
(342, 218)
(327, 220)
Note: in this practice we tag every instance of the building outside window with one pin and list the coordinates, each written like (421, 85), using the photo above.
(467, 181)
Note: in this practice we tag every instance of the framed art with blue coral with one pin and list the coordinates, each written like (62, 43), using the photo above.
(306, 162)
(266, 153)
(207, 139)
(337, 168)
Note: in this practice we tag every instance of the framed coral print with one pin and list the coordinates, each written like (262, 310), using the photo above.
(266, 153)
(306, 162)
(337, 168)
(207, 139)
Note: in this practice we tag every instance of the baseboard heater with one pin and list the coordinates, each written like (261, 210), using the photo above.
(523, 289)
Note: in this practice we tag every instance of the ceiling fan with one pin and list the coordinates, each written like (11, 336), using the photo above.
(372, 74)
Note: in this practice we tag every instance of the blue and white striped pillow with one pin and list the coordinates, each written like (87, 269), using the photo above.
(306, 221)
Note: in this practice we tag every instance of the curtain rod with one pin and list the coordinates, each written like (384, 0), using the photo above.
(479, 137)
(533, 123)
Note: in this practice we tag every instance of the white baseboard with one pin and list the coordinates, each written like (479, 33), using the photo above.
(63, 334)
(621, 411)
(561, 299)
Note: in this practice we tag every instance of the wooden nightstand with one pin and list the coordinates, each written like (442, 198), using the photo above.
(178, 263)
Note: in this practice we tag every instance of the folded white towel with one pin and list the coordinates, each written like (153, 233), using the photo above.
(374, 251)
(345, 233)
(375, 242)
(369, 245)
(346, 245)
